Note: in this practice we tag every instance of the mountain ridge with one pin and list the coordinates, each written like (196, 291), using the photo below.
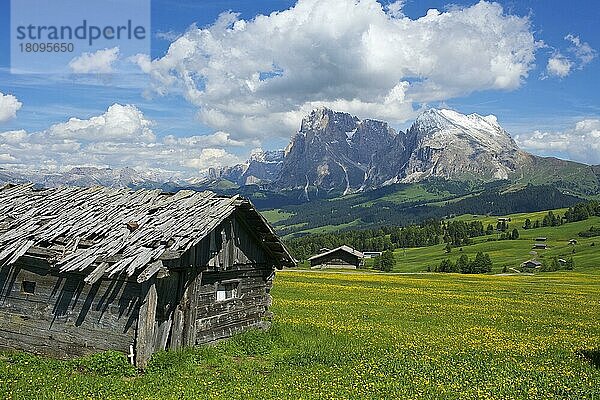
(337, 153)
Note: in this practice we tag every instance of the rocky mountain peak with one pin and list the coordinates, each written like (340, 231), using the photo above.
(266, 156)
(326, 123)
(441, 127)
(333, 150)
(337, 152)
(88, 176)
(445, 118)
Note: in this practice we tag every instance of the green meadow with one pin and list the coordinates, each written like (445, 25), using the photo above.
(368, 336)
(506, 253)
(511, 253)
(276, 215)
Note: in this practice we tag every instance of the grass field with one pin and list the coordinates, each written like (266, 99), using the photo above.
(276, 215)
(325, 228)
(341, 336)
(511, 253)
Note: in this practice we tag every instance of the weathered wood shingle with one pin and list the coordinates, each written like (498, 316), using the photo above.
(110, 231)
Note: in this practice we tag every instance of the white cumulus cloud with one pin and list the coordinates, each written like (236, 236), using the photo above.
(580, 54)
(211, 158)
(9, 105)
(99, 62)
(216, 139)
(559, 66)
(142, 61)
(580, 142)
(13, 136)
(167, 35)
(257, 78)
(395, 8)
(120, 137)
(118, 122)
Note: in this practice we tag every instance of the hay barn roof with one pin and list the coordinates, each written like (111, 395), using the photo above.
(345, 248)
(102, 230)
(532, 262)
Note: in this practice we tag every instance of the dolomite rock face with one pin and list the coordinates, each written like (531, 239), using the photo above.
(336, 151)
(262, 167)
(451, 145)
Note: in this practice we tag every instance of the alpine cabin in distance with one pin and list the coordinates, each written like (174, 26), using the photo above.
(341, 257)
(91, 269)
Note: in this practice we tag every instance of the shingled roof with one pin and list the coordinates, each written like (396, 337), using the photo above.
(345, 248)
(111, 231)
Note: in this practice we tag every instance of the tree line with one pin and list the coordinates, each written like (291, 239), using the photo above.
(428, 233)
(579, 212)
(582, 211)
(431, 232)
(481, 264)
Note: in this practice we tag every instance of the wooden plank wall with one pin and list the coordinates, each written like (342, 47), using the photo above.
(217, 320)
(239, 257)
(65, 317)
(229, 244)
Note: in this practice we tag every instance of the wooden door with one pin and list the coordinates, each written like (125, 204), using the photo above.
(167, 293)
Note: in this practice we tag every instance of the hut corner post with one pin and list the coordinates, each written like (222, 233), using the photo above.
(145, 328)
(190, 301)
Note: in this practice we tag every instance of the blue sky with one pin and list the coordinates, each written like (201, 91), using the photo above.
(550, 110)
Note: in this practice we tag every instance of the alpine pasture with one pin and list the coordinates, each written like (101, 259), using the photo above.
(365, 335)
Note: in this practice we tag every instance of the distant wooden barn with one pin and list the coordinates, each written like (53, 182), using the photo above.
(86, 270)
(340, 257)
(532, 264)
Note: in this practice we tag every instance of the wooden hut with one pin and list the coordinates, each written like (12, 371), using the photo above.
(91, 269)
(340, 257)
(532, 264)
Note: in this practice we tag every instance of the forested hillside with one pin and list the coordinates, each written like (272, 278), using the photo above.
(363, 211)
(454, 233)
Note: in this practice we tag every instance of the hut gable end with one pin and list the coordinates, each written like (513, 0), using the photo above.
(340, 257)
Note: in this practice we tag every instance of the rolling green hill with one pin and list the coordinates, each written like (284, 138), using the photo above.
(568, 176)
(511, 253)
(504, 253)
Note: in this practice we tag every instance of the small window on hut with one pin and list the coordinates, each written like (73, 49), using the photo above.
(227, 290)
(28, 287)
